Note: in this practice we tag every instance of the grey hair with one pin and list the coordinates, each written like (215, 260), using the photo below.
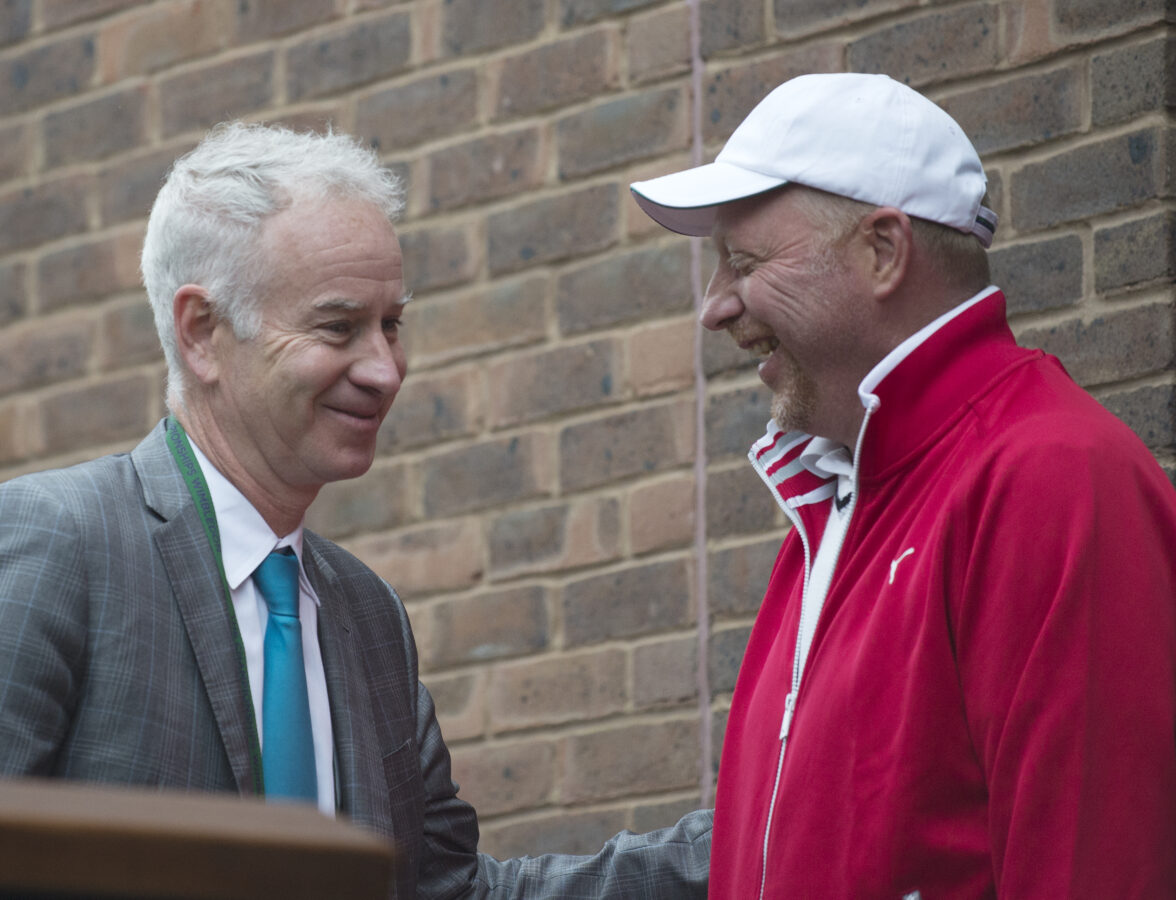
(207, 219)
(958, 257)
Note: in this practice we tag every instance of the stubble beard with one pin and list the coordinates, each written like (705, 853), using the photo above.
(794, 399)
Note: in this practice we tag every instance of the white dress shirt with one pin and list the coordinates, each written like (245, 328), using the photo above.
(245, 541)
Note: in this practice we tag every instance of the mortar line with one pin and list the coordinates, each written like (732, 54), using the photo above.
(706, 749)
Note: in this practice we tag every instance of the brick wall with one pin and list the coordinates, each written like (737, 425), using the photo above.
(550, 468)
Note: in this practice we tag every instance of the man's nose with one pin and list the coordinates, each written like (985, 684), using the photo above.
(380, 366)
(721, 306)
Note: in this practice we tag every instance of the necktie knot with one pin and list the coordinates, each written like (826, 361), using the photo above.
(277, 579)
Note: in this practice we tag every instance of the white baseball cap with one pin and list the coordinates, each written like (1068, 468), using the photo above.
(867, 137)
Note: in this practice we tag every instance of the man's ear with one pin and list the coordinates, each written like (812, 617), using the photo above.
(889, 236)
(195, 322)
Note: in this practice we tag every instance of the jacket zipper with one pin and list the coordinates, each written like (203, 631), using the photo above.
(790, 700)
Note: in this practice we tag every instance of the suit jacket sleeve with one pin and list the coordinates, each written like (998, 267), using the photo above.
(671, 863)
(43, 621)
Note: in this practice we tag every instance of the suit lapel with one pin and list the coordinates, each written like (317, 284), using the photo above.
(361, 783)
(199, 595)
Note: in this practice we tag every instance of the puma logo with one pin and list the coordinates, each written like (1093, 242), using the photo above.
(894, 563)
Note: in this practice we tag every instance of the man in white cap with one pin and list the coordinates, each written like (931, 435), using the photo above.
(962, 680)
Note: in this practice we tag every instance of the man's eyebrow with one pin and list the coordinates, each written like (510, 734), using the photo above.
(338, 304)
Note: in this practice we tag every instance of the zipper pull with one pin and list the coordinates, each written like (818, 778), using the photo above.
(789, 708)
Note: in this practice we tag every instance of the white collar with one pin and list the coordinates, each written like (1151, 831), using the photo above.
(245, 537)
(891, 360)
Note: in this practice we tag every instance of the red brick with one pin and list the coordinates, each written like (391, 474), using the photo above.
(627, 603)
(161, 35)
(58, 13)
(721, 355)
(934, 47)
(621, 131)
(665, 672)
(729, 95)
(486, 474)
(658, 44)
(651, 816)
(634, 442)
(1029, 31)
(227, 89)
(1021, 112)
(625, 287)
(557, 74)
(15, 19)
(578, 12)
(461, 704)
(553, 537)
(641, 758)
(1125, 343)
(426, 559)
(1131, 81)
(725, 649)
(375, 501)
(96, 129)
(127, 186)
(1111, 174)
(737, 576)
(661, 514)
(88, 271)
(40, 352)
(127, 335)
(438, 257)
(499, 778)
(1149, 411)
(553, 228)
(566, 831)
(505, 315)
(16, 140)
(50, 210)
(566, 378)
(14, 292)
(97, 413)
(661, 357)
(737, 503)
(419, 110)
(1039, 275)
(736, 418)
(486, 168)
(49, 72)
(17, 441)
(555, 690)
(349, 56)
(1097, 19)
(799, 17)
(726, 25)
(259, 20)
(473, 26)
(1135, 253)
(482, 627)
(433, 407)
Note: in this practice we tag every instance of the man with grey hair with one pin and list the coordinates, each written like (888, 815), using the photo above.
(166, 620)
(962, 679)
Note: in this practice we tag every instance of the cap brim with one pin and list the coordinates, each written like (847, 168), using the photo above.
(686, 201)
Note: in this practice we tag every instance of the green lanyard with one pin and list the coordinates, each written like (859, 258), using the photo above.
(181, 451)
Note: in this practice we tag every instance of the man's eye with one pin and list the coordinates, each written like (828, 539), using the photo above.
(338, 328)
(391, 325)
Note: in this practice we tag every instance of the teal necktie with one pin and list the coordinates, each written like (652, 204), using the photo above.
(287, 745)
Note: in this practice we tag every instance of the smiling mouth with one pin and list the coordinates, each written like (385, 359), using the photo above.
(762, 348)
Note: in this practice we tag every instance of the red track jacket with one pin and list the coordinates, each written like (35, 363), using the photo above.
(989, 704)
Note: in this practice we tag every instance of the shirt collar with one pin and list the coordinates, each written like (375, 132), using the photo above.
(891, 360)
(245, 537)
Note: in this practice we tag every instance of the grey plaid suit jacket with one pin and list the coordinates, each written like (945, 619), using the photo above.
(118, 664)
